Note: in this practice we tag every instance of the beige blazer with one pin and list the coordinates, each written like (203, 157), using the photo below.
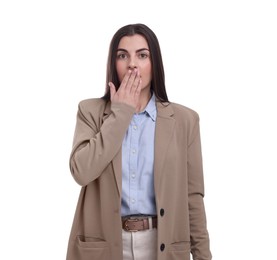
(95, 164)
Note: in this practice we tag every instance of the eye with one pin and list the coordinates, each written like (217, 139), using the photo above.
(122, 56)
(143, 55)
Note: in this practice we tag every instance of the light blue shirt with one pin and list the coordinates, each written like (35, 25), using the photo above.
(138, 196)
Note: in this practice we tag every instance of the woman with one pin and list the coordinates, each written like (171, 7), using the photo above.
(138, 159)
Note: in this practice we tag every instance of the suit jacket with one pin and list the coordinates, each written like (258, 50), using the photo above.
(95, 164)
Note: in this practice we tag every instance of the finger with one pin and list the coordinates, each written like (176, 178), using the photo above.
(136, 82)
(138, 88)
(126, 79)
(132, 80)
(112, 90)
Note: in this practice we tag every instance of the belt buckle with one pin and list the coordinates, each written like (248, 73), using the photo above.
(126, 224)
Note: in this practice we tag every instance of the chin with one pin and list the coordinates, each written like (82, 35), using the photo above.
(145, 89)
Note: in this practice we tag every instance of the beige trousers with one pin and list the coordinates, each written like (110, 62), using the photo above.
(141, 245)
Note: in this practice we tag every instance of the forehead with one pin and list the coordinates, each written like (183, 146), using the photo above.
(133, 42)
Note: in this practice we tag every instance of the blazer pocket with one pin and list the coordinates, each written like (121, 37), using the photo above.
(92, 248)
(179, 251)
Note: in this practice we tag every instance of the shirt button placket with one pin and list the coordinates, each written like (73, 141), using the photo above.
(133, 165)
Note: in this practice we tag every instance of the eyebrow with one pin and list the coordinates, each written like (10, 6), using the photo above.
(139, 50)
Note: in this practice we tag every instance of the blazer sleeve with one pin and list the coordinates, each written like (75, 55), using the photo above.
(94, 148)
(200, 248)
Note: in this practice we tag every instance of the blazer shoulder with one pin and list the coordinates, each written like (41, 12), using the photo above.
(186, 118)
(181, 111)
(92, 105)
(92, 102)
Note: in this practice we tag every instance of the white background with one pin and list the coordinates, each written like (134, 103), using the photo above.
(220, 59)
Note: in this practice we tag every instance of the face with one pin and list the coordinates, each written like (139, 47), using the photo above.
(133, 52)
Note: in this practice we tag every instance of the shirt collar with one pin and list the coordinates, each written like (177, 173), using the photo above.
(151, 109)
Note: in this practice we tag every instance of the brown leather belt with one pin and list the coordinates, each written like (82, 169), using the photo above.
(133, 224)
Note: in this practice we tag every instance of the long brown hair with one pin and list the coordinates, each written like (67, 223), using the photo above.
(158, 79)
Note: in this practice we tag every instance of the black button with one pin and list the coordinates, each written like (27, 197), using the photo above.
(162, 247)
(162, 212)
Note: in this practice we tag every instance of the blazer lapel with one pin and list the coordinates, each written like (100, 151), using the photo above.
(116, 161)
(164, 128)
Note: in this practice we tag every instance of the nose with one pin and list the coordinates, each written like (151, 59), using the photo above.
(132, 64)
